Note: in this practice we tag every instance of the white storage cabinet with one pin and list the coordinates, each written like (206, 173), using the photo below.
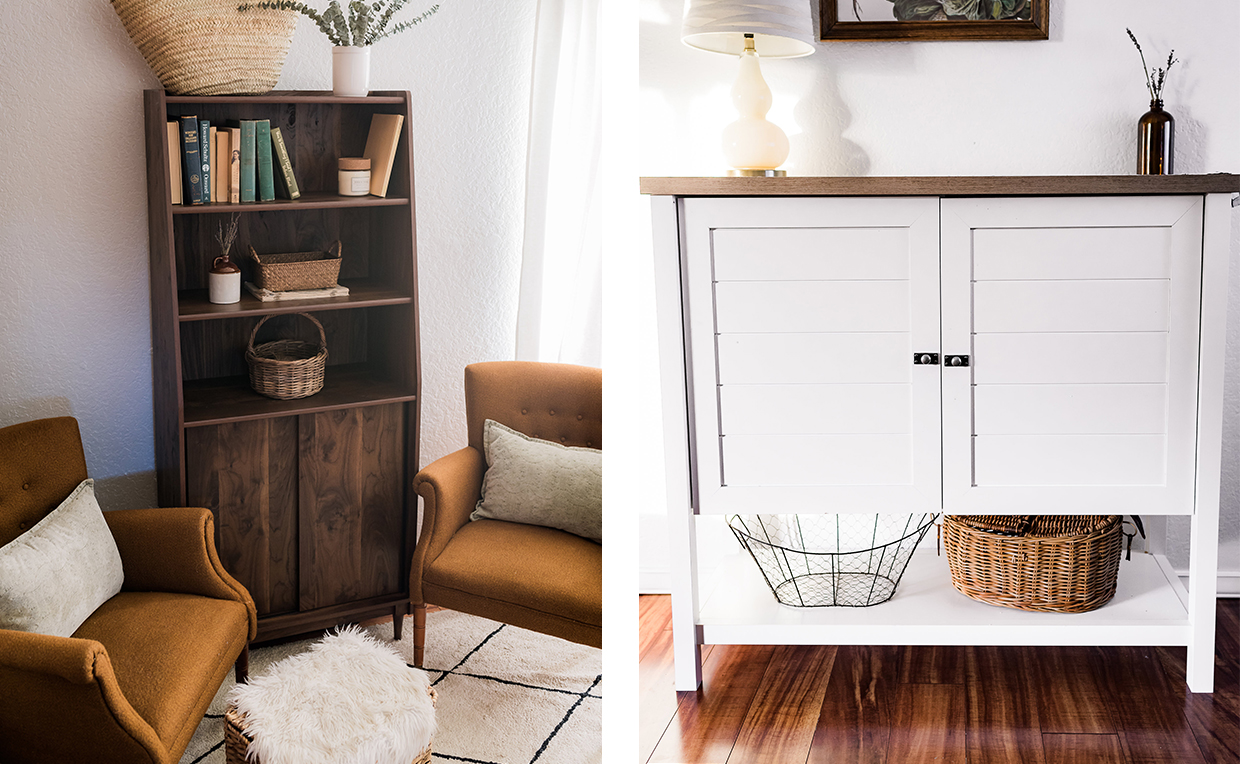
(970, 346)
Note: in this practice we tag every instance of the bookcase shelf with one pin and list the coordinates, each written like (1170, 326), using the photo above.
(194, 305)
(308, 201)
(311, 497)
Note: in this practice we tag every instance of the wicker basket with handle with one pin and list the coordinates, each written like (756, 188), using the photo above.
(1047, 563)
(208, 47)
(237, 742)
(287, 369)
(289, 271)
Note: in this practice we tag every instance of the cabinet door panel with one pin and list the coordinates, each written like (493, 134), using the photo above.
(803, 318)
(1071, 306)
(811, 306)
(1081, 320)
(352, 504)
(809, 409)
(246, 474)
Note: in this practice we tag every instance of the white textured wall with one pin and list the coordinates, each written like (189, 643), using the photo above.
(74, 314)
(1063, 106)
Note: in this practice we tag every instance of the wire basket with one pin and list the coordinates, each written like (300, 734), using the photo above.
(831, 560)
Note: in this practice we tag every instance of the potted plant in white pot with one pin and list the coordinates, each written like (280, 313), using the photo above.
(352, 34)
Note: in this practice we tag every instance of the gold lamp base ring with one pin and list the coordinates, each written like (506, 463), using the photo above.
(757, 173)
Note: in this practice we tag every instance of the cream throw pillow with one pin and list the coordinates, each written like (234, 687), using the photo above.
(539, 482)
(53, 576)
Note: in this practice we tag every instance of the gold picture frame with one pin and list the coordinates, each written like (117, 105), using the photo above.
(836, 26)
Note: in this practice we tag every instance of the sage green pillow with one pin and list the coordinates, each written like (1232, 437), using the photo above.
(539, 482)
(53, 576)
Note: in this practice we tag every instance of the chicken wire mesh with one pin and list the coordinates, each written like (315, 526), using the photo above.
(831, 560)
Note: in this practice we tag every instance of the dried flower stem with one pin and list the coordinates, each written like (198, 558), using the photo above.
(226, 238)
(1155, 83)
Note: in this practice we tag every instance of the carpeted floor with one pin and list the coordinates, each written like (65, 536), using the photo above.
(506, 695)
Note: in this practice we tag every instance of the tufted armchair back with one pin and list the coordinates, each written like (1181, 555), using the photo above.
(556, 402)
(41, 462)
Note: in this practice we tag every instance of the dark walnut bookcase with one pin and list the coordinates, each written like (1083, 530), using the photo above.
(313, 509)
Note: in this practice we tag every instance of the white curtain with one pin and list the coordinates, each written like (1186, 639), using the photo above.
(559, 313)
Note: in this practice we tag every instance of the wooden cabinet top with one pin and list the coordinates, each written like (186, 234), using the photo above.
(1033, 185)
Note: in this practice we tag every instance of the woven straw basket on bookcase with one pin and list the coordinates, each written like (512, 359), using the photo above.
(237, 742)
(287, 369)
(291, 271)
(208, 47)
(1048, 563)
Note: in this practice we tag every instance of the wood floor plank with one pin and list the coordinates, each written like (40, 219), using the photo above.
(1002, 693)
(1214, 717)
(1083, 749)
(708, 722)
(1149, 708)
(656, 672)
(930, 725)
(857, 716)
(932, 664)
(1073, 698)
(779, 727)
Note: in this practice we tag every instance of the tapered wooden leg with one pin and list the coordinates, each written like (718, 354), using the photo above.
(419, 633)
(242, 666)
(398, 619)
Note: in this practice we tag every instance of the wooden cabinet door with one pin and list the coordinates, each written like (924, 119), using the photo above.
(1080, 319)
(351, 482)
(246, 474)
(802, 319)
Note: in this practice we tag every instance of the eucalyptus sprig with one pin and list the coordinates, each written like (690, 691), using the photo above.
(365, 23)
(1154, 83)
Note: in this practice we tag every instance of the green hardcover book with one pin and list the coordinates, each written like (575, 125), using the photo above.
(192, 160)
(262, 152)
(286, 182)
(204, 153)
(248, 173)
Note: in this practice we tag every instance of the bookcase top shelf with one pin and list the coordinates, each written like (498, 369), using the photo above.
(294, 96)
(308, 201)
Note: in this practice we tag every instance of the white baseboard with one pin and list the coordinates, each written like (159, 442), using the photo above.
(654, 581)
(1228, 582)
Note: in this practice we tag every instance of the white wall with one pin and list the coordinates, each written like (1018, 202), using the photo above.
(1063, 106)
(74, 315)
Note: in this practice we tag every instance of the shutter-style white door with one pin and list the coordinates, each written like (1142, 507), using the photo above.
(803, 317)
(1080, 320)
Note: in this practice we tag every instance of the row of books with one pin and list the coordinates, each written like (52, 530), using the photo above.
(242, 161)
(246, 160)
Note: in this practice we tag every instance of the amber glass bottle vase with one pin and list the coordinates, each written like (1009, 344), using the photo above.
(1155, 141)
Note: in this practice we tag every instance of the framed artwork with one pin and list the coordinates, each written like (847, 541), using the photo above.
(935, 19)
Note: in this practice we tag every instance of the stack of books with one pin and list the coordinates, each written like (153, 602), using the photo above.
(241, 161)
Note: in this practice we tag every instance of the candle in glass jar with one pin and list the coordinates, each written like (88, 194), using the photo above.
(354, 175)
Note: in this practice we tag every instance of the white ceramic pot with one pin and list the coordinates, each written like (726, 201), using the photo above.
(350, 70)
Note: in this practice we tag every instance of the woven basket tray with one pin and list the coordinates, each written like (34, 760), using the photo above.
(208, 47)
(290, 271)
(1053, 564)
(237, 742)
(287, 369)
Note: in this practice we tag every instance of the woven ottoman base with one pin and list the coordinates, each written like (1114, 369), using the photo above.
(237, 742)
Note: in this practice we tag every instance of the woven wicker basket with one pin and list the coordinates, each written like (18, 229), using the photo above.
(289, 271)
(1053, 564)
(287, 369)
(208, 47)
(237, 742)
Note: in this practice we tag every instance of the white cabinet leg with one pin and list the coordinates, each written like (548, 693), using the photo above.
(1202, 591)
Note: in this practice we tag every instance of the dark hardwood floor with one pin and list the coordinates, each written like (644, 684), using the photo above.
(946, 705)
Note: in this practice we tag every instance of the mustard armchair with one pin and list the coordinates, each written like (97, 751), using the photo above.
(537, 578)
(134, 680)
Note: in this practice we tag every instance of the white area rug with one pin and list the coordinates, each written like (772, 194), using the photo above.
(506, 695)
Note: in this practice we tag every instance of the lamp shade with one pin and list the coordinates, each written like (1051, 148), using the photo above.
(781, 28)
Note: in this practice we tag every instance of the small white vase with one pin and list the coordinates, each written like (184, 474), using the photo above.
(351, 70)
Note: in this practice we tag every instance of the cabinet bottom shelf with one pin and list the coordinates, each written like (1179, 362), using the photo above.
(284, 625)
(1148, 609)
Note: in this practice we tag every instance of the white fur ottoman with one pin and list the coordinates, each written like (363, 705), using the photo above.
(348, 700)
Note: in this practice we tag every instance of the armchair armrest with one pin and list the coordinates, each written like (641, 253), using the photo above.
(173, 550)
(60, 701)
(450, 488)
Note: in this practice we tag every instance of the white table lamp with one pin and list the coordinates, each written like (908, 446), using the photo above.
(772, 29)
